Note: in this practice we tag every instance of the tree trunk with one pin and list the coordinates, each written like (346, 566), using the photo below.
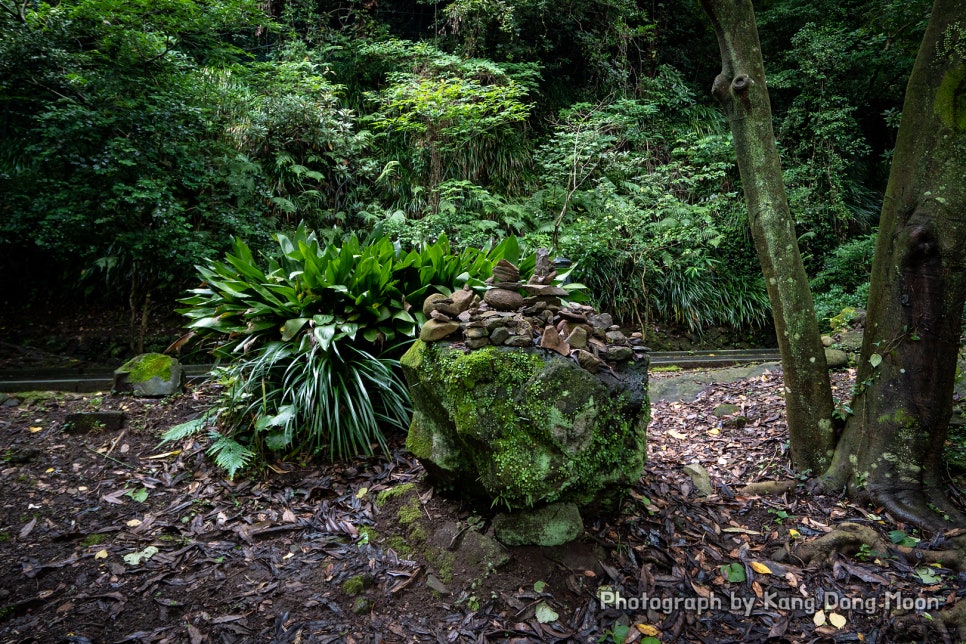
(892, 447)
(741, 90)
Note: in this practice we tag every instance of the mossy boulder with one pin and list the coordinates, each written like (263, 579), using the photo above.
(149, 375)
(526, 427)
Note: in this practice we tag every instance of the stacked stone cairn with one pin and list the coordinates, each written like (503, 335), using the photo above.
(505, 317)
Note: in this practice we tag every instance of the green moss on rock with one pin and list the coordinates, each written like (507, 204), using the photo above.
(524, 427)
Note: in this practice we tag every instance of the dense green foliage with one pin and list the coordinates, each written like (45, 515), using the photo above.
(141, 137)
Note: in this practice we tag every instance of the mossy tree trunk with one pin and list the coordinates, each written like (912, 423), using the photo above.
(892, 447)
(741, 90)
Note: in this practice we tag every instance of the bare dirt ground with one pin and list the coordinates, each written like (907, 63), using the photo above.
(105, 536)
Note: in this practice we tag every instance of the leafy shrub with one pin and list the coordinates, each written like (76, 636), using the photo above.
(844, 278)
(311, 339)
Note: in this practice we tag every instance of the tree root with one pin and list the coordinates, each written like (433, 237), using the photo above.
(849, 537)
(767, 488)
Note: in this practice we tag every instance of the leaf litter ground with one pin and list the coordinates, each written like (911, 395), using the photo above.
(107, 537)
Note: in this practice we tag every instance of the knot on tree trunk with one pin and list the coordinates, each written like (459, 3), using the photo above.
(741, 83)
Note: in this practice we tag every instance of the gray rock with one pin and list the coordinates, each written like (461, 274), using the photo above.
(552, 525)
(619, 354)
(836, 358)
(499, 335)
(699, 476)
(519, 341)
(149, 375)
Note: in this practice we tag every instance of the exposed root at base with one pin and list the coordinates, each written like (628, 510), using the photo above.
(848, 538)
(767, 488)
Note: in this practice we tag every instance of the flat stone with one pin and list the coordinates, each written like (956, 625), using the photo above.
(463, 299)
(552, 525)
(619, 354)
(545, 290)
(518, 341)
(506, 272)
(550, 339)
(570, 314)
(434, 583)
(475, 332)
(476, 343)
(439, 316)
(434, 330)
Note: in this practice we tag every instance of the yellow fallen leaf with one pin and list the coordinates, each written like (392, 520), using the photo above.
(760, 568)
(101, 554)
(647, 630)
(836, 620)
(133, 523)
(714, 431)
(362, 492)
(794, 534)
(819, 618)
(34, 430)
(165, 455)
(48, 470)
(676, 434)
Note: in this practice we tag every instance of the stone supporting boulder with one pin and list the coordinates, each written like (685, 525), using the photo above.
(526, 427)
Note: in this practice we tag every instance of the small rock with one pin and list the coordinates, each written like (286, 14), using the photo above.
(438, 315)
(553, 525)
(463, 299)
(518, 341)
(551, 340)
(617, 337)
(570, 314)
(499, 335)
(503, 299)
(9, 402)
(602, 321)
(827, 341)
(430, 301)
(544, 290)
(836, 358)
(619, 354)
(435, 583)
(475, 332)
(577, 338)
(504, 271)
(476, 343)
(435, 330)
(699, 476)
(589, 361)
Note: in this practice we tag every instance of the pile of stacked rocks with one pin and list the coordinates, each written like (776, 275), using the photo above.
(505, 317)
